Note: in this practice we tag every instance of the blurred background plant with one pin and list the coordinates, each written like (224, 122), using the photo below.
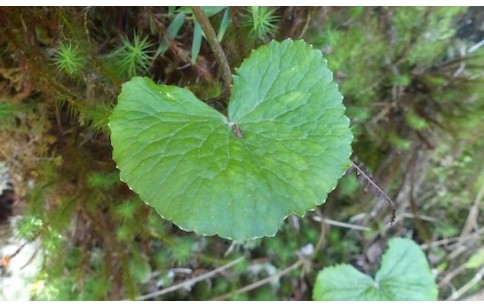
(412, 80)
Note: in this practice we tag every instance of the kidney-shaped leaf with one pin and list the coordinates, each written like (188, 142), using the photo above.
(404, 275)
(344, 282)
(282, 148)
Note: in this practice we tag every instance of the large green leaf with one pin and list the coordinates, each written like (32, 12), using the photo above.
(403, 275)
(283, 147)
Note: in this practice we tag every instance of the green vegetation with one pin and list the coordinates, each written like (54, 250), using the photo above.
(68, 58)
(404, 275)
(245, 172)
(412, 83)
(133, 58)
(262, 22)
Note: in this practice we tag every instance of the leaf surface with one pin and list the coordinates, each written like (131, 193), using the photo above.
(282, 148)
(404, 275)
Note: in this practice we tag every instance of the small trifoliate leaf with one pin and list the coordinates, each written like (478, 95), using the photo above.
(403, 275)
(281, 150)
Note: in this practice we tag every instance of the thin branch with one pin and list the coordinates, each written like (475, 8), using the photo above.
(322, 235)
(341, 224)
(475, 280)
(190, 282)
(422, 230)
(306, 25)
(218, 52)
(423, 217)
(471, 221)
(451, 275)
(452, 240)
(262, 282)
(374, 187)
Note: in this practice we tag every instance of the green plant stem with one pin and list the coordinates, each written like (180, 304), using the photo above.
(215, 46)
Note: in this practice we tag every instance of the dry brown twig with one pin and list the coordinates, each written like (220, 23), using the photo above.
(475, 280)
(301, 262)
(471, 221)
(449, 241)
(372, 186)
(262, 282)
(190, 282)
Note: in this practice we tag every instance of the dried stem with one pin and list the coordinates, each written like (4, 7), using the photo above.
(341, 224)
(262, 282)
(449, 241)
(215, 46)
(374, 187)
(469, 285)
(471, 221)
(192, 281)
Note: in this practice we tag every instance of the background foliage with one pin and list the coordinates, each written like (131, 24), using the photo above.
(412, 80)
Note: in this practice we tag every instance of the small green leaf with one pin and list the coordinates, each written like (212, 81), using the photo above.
(405, 272)
(175, 25)
(212, 10)
(171, 34)
(343, 282)
(281, 150)
(197, 42)
(476, 260)
(415, 121)
(171, 10)
(208, 10)
(403, 275)
(224, 24)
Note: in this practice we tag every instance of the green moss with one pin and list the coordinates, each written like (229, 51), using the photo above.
(101, 180)
(29, 227)
(182, 250)
(398, 68)
(415, 121)
(68, 58)
(262, 21)
(133, 57)
(423, 33)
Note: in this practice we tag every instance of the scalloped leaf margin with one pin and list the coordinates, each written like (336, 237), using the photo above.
(281, 149)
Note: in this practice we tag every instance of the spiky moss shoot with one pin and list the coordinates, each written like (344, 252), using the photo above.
(182, 250)
(28, 227)
(125, 232)
(157, 226)
(139, 268)
(52, 241)
(261, 21)
(102, 180)
(162, 258)
(68, 58)
(134, 58)
(125, 211)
